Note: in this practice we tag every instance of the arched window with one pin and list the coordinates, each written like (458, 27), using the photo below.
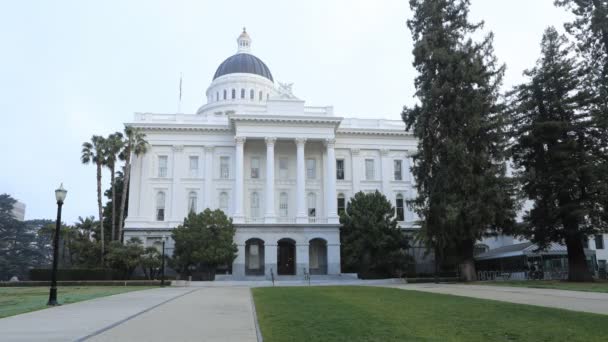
(267, 96)
(217, 96)
(261, 95)
(192, 199)
(255, 204)
(224, 202)
(224, 94)
(242, 93)
(233, 94)
(341, 204)
(283, 206)
(160, 206)
(312, 205)
(400, 209)
(251, 94)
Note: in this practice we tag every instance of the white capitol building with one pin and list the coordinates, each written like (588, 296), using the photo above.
(282, 170)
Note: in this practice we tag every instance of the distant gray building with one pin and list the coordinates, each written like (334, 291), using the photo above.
(19, 211)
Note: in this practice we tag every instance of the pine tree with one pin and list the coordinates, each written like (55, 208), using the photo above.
(590, 31)
(462, 190)
(557, 151)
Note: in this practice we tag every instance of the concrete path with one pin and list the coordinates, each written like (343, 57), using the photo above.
(593, 302)
(208, 314)
(75, 321)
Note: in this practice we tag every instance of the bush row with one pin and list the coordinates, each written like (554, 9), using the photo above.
(71, 274)
(28, 283)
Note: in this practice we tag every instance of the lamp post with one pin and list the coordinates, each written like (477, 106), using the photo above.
(162, 265)
(60, 194)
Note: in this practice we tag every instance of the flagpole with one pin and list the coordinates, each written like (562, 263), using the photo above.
(179, 102)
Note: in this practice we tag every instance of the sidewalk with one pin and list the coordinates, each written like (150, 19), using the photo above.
(75, 321)
(593, 302)
(207, 314)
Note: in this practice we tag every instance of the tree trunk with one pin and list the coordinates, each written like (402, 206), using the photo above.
(577, 262)
(100, 213)
(467, 261)
(112, 181)
(123, 197)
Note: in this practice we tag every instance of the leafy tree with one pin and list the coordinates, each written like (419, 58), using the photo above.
(151, 262)
(113, 147)
(371, 242)
(17, 243)
(204, 241)
(93, 152)
(125, 257)
(558, 150)
(462, 190)
(134, 144)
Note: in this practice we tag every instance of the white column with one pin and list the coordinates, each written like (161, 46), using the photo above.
(238, 181)
(332, 214)
(209, 193)
(270, 258)
(386, 174)
(357, 166)
(301, 216)
(270, 216)
(176, 212)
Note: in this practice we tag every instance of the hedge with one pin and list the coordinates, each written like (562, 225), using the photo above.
(44, 274)
(28, 283)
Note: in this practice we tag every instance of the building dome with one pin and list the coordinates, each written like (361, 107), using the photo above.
(243, 63)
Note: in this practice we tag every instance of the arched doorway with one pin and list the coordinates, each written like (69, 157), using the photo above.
(254, 257)
(286, 257)
(317, 255)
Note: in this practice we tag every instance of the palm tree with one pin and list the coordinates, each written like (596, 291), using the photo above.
(134, 144)
(113, 147)
(93, 153)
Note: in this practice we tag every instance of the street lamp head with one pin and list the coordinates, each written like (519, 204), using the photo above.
(60, 193)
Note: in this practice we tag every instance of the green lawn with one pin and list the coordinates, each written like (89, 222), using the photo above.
(385, 314)
(597, 286)
(16, 300)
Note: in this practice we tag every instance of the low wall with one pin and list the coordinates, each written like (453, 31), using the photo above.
(84, 283)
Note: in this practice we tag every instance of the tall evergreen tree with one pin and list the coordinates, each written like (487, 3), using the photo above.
(462, 190)
(590, 29)
(557, 151)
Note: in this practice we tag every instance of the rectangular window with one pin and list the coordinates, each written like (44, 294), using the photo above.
(400, 209)
(341, 205)
(283, 168)
(255, 167)
(340, 169)
(599, 241)
(369, 169)
(162, 166)
(312, 205)
(397, 168)
(193, 166)
(224, 167)
(311, 168)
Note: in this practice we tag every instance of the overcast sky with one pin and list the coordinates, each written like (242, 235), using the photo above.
(71, 69)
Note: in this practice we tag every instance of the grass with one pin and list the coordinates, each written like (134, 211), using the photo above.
(385, 314)
(597, 286)
(17, 300)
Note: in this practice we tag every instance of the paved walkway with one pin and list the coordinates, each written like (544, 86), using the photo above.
(207, 314)
(169, 314)
(75, 321)
(594, 302)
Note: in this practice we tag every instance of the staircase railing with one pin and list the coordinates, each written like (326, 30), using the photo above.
(272, 276)
(306, 276)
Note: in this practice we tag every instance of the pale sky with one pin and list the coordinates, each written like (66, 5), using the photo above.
(71, 69)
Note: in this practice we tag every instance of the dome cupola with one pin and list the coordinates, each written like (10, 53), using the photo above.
(243, 61)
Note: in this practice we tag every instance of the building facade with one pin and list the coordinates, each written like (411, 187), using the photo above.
(281, 169)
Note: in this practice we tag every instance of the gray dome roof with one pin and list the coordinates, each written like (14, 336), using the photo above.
(243, 63)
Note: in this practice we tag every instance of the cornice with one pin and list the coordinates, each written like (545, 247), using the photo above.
(371, 131)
